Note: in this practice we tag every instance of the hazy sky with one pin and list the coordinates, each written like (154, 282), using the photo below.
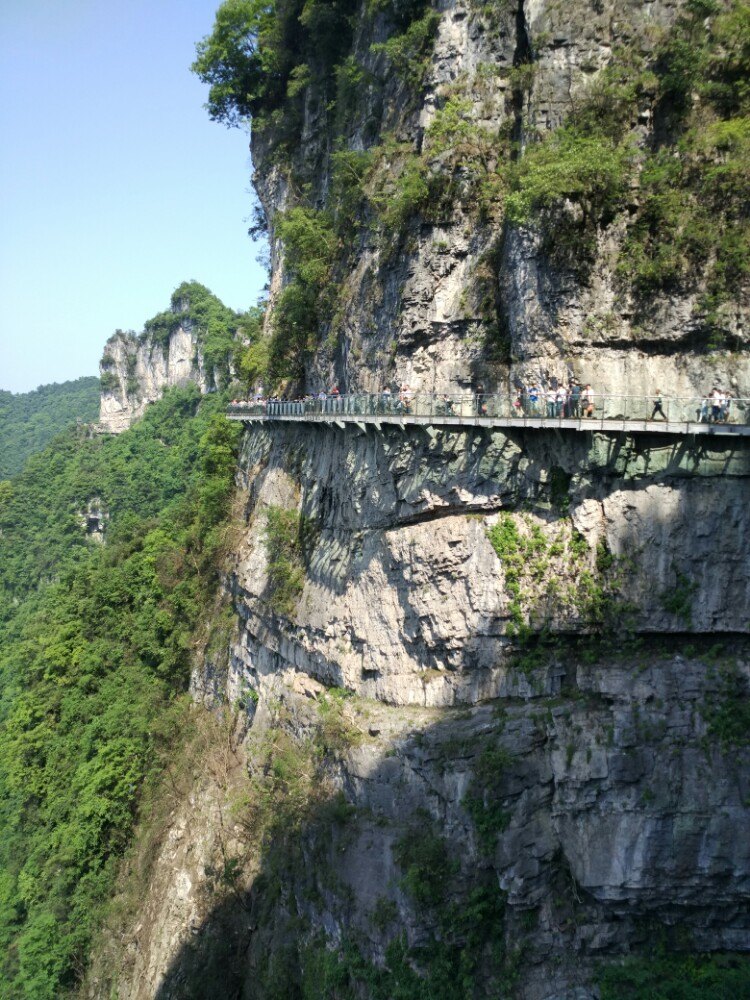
(114, 184)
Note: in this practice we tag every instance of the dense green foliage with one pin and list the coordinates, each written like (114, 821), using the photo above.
(260, 57)
(693, 212)
(216, 327)
(250, 357)
(29, 420)
(587, 168)
(408, 51)
(674, 977)
(311, 246)
(96, 644)
(423, 857)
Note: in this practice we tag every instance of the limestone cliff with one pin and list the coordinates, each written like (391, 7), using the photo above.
(136, 370)
(492, 684)
(435, 283)
(192, 341)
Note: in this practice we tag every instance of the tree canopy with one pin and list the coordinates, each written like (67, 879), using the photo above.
(29, 420)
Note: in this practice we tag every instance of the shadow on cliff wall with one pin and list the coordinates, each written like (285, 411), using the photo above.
(335, 879)
(427, 806)
(478, 472)
(674, 540)
(251, 944)
(449, 474)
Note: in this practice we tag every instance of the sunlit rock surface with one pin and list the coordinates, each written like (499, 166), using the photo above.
(137, 369)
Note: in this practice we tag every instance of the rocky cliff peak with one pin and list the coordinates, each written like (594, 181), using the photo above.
(191, 341)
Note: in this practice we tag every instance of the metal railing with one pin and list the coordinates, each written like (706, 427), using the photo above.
(499, 407)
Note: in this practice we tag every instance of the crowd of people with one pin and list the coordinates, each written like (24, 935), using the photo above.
(558, 400)
(333, 401)
(715, 407)
(550, 400)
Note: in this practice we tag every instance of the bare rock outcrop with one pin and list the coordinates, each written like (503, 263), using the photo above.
(135, 371)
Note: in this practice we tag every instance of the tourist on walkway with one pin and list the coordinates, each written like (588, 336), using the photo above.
(726, 402)
(480, 406)
(551, 402)
(405, 398)
(561, 398)
(534, 400)
(716, 405)
(587, 399)
(574, 404)
(657, 406)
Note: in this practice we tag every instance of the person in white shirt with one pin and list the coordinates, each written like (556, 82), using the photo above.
(560, 399)
(715, 397)
(657, 406)
(551, 402)
(587, 399)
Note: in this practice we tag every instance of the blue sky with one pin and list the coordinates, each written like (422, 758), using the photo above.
(114, 184)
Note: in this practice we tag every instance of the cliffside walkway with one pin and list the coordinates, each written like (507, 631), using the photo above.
(632, 414)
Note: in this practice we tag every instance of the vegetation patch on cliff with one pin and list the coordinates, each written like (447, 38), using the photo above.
(685, 190)
(728, 716)
(676, 977)
(555, 577)
(467, 946)
(261, 61)
(289, 536)
(484, 801)
(311, 247)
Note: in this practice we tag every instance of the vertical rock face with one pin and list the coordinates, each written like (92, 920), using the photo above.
(458, 296)
(135, 371)
(405, 599)
(543, 640)
(495, 683)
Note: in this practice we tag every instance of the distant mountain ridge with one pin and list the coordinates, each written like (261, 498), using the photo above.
(29, 420)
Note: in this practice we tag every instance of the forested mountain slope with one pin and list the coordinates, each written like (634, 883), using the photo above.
(96, 639)
(29, 420)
